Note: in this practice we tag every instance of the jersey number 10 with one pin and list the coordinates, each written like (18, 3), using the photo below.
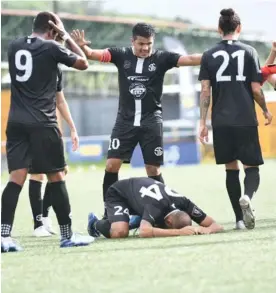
(226, 59)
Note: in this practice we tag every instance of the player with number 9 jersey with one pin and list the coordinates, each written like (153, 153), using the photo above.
(33, 137)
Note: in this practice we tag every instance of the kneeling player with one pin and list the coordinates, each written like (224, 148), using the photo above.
(163, 211)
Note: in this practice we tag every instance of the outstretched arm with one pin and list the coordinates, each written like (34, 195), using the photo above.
(189, 60)
(209, 226)
(148, 231)
(102, 55)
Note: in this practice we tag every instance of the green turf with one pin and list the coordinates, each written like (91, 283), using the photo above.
(242, 262)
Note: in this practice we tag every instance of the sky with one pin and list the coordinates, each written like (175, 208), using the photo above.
(256, 15)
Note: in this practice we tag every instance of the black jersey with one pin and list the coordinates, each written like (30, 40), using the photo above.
(153, 201)
(141, 83)
(231, 66)
(33, 67)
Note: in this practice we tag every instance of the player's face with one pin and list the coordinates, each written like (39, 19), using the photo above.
(143, 46)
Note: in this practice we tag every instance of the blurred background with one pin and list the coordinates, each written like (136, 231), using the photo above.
(182, 26)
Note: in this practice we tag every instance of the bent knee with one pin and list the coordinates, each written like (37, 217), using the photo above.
(113, 165)
(37, 177)
(153, 170)
(123, 233)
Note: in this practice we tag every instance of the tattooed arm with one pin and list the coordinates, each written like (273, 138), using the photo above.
(205, 97)
(260, 100)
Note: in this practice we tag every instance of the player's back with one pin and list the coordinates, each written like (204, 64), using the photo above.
(142, 191)
(231, 66)
(33, 71)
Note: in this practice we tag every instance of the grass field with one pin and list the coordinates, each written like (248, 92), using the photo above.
(234, 261)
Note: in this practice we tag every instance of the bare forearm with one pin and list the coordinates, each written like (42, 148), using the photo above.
(66, 114)
(157, 232)
(75, 48)
(215, 228)
(204, 106)
(271, 58)
(260, 99)
(92, 54)
(195, 59)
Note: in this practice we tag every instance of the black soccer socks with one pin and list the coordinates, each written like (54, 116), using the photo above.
(251, 181)
(61, 206)
(234, 191)
(109, 179)
(46, 201)
(103, 226)
(9, 201)
(36, 201)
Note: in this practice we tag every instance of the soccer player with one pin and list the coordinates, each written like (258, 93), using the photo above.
(163, 211)
(141, 71)
(40, 207)
(231, 68)
(33, 137)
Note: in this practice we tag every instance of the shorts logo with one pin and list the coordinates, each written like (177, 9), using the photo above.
(152, 67)
(158, 151)
(127, 64)
(196, 212)
(39, 218)
(138, 90)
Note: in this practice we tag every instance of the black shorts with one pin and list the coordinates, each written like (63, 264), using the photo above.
(237, 143)
(35, 146)
(124, 139)
(116, 207)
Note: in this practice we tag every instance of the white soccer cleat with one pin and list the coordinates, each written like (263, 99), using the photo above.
(240, 225)
(47, 223)
(248, 212)
(77, 240)
(41, 232)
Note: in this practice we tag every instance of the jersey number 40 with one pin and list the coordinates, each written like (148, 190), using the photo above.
(154, 191)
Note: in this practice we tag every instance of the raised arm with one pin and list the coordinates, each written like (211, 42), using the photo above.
(189, 60)
(78, 61)
(102, 55)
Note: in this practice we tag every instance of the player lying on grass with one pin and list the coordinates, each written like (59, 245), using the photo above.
(163, 211)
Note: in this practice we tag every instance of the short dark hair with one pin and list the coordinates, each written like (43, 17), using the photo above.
(180, 220)
(228, 21)
(143, 29)
(41, 22)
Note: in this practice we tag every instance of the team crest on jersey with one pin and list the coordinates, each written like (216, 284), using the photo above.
(152, 67)
(138, 90)
(127, 64)
(196, 212)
